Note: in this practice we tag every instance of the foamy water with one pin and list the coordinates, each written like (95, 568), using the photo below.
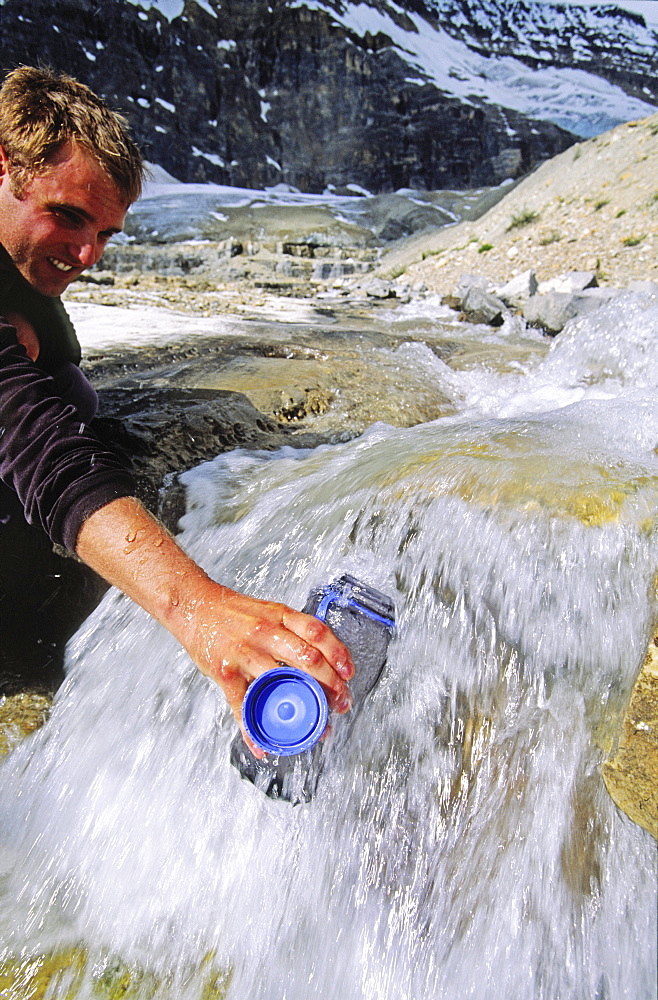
(464, 844)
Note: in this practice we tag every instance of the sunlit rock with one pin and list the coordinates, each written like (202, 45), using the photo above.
(518, 289)
(631, 772)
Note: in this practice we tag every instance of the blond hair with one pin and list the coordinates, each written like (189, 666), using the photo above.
(40, 111)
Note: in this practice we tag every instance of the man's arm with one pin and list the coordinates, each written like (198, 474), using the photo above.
(231, 637)
(82, 497)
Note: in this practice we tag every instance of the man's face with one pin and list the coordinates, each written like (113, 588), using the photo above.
(62, 220)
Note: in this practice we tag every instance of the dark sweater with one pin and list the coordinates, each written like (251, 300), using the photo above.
(58, 468)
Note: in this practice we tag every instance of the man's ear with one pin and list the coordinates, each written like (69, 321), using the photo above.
(4, 162)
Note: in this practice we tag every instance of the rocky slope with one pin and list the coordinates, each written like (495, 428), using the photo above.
(250, 92)
(593, 207)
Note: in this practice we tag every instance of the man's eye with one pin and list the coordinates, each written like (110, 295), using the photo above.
(64, 215)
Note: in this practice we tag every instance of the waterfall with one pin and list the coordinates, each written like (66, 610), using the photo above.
(463, 845)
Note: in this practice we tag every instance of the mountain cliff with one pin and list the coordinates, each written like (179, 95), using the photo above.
(440, 94)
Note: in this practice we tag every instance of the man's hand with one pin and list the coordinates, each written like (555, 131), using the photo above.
(231, 637)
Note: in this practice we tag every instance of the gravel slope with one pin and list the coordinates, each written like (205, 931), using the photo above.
(593, 207)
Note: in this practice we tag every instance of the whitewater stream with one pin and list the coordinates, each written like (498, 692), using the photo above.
(464, 844)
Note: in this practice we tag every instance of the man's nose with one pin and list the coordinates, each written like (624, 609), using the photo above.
(89, 252)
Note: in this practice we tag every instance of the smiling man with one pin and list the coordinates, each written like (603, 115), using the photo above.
(58, 223)
(68, 173)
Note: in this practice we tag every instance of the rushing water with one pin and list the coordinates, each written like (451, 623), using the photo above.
(464, 844)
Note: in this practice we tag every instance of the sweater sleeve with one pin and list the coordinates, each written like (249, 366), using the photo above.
(58, 468)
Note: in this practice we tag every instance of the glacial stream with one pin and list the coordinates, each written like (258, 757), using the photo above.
(464, 844)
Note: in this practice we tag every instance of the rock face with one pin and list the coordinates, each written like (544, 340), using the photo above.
(253, 93)
(160, 432)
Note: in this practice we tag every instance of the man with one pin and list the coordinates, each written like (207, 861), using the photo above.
(68, 174)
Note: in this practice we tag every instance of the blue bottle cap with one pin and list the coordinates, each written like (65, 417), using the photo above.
(285, 711)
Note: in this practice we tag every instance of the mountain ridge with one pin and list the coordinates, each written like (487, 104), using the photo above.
(314, 93)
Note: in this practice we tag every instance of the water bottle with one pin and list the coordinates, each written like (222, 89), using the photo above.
(363, 619)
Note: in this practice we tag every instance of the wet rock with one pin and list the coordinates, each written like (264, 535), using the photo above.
(552, 311)
(159, 432)
(631, 772)
(285, 389)
(20, 715)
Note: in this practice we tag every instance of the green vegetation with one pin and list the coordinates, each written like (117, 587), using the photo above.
(547, 238)
(601, 204)
(485, 247)
(622, 211)
(632, 241)
(524, 218)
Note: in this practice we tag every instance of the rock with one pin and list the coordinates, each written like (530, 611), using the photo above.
(402, 291)
(256, 94)
(379, 289)
(480, 306)
(520, 288)
(552, 310)
(631, 772)
(468, 281)
(643, 287)
(572, 281)
(20, 715)
(159, 432)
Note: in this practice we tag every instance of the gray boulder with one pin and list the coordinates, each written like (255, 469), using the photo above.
(480, 306)
(643, 287)
(552, 310)
(467, 282)
(518, 290)
(379, 289)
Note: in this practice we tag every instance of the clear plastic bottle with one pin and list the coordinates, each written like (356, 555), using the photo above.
(362, 618)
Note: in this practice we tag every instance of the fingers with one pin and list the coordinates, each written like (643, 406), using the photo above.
(320, 636)
(237, 638)
(306, 643)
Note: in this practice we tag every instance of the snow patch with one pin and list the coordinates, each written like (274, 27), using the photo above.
(211, 157)
(578, 101)
(168, 8)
